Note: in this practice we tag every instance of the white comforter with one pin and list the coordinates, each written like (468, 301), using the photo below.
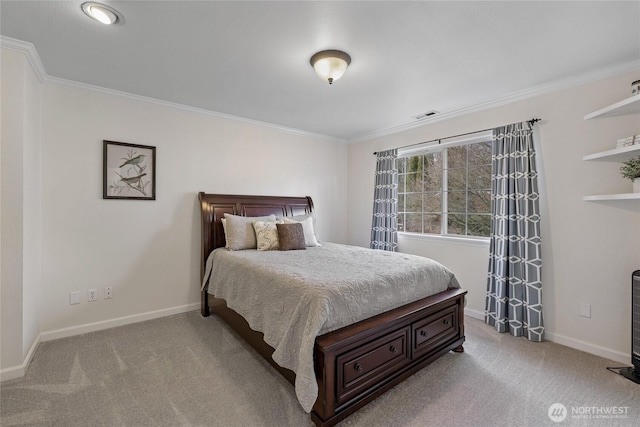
(294, 296)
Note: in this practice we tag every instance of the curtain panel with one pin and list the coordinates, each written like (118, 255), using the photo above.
(384, 226)
(514, 283)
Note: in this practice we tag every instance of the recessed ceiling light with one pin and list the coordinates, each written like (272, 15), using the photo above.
(102, 13)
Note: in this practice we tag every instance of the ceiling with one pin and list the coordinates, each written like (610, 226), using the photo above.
(251, 59)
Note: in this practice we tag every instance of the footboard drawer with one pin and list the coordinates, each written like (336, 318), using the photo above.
(371, 362)
(428, 332)
(355, 364)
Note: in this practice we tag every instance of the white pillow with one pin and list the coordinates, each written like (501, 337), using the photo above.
(224, 227)
(266, 235)
(301, 218)
(239, 232)
(307, 227)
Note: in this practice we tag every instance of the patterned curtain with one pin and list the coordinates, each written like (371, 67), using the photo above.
(384, 228)
(514, 284)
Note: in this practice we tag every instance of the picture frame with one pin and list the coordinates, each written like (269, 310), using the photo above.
(129, 171)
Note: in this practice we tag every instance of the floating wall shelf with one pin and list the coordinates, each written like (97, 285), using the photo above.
(626, 106)
(626, 196)
(615, 155)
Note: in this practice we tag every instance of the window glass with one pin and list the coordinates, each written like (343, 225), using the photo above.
(447, 191)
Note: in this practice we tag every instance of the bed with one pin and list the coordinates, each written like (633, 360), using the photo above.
(352, 364)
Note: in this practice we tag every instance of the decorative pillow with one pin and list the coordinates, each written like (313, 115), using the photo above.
(307, 227)
(266, 235)
(291, 237)
(239, 231)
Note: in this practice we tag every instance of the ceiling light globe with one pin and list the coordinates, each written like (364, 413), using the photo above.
(330, 65)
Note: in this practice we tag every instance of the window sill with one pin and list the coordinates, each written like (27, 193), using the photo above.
(467, 241)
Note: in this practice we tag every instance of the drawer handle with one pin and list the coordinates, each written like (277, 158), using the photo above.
(357, 367)
(445, 321)
(424, 333)
(393, 349)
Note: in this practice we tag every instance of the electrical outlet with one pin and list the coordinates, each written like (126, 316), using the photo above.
(108, 292)
(585, 310)
(92, 295)
(74, 298)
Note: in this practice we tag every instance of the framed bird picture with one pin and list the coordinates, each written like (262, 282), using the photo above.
(129, 171)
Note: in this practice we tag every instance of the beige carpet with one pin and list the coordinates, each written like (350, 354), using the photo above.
(186, 370)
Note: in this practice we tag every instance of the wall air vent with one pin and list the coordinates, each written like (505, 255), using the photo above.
(425, 115)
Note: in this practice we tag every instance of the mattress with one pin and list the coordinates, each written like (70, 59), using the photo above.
(294, 296)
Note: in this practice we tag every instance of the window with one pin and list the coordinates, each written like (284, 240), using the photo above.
(446, 190)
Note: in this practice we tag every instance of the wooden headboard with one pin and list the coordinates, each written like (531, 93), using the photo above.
(214, 206)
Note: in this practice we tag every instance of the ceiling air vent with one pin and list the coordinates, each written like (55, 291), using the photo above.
(425, 115)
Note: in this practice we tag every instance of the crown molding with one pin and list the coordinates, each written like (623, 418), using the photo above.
(176, 106)
(29, 50)
(508, 99)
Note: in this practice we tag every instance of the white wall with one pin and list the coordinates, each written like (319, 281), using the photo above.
(12, 196)
(20, 219)
(589, 249)
(148, 251)
(32, 214)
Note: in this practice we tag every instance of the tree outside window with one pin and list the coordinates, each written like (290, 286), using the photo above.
(446, 191)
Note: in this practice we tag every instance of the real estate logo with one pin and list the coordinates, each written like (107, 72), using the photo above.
(557, 412)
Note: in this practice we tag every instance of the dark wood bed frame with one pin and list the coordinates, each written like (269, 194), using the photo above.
(359, 362)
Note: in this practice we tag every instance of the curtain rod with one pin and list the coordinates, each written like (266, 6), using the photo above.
(532, 122)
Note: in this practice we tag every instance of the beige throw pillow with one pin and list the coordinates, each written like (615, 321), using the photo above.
(266, 235)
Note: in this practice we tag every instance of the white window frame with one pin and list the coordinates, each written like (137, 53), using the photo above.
(431, 147)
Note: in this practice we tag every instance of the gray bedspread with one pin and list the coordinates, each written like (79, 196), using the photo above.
(295, 296)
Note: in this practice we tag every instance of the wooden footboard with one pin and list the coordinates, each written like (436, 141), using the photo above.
(359, 362)
(356, 364)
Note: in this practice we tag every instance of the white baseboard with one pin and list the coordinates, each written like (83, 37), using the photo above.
(607, 353)
(119, 321)
(20, 370)
(474, 313)
(597, 350)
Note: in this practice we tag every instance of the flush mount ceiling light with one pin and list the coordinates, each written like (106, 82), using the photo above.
(330, 64)
(102, 13)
